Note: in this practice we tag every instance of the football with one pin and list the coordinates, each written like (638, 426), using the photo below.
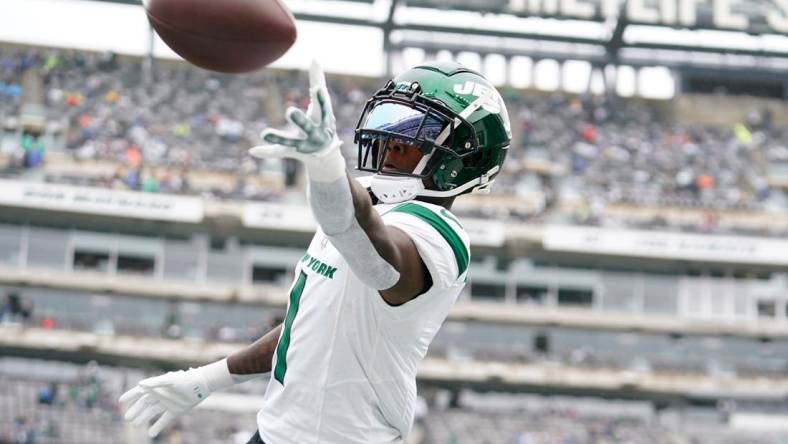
(231, 36)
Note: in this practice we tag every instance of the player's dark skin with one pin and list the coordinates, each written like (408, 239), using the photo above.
(393, 245)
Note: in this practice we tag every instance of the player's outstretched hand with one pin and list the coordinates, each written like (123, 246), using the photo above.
(316, 142)
(165, 397)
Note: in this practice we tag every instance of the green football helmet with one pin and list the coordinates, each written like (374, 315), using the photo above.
(455, 117)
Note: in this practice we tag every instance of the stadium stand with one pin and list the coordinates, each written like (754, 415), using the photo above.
(51, 402)
(521, 419)
(582, 159)
(55, 402)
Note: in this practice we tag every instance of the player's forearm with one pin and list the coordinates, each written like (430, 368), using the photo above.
(334, 211)
(358, 207)
(364, 210)
(331, 205)
(344, 211)
(256, 358)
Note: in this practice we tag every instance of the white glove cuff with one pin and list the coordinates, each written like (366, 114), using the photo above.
(327, 168)
(217, 375)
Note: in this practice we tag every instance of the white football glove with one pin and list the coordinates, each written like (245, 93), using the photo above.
(172, 394)
(316, 144)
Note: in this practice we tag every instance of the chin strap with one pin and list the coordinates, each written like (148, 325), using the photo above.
(393, 189)
(390, 189)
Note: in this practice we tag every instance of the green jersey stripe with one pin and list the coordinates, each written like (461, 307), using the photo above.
(284, 341)
(443, 228)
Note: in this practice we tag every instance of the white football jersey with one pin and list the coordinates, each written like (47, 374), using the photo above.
(344, 371)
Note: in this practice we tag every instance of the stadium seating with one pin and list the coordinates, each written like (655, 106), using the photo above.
(80, 416)
(527, 419)
(587, 160)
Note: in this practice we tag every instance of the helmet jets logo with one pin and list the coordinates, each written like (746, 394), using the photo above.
(403, 86)
(494, 103)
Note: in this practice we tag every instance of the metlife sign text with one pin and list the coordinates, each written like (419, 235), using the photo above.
(735, 15)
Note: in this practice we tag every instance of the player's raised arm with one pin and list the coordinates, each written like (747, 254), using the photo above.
(383, 258)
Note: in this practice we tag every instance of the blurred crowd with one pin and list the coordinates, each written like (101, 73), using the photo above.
(82, 391)
(16, 309)
(49, 401)
(573, 154)
(615, 150)
(53, 402)
(460, 416)
(595, 151)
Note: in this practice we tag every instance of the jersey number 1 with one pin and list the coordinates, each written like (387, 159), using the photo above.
(284, 340)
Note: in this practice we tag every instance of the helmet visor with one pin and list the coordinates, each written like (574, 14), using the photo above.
(387, 122)
(401, 120)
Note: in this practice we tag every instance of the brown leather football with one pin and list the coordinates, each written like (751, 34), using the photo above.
(231, 36)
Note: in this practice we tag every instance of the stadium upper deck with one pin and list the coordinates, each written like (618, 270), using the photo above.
(583, 159)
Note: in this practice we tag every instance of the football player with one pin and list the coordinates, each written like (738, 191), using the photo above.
(381, 273)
